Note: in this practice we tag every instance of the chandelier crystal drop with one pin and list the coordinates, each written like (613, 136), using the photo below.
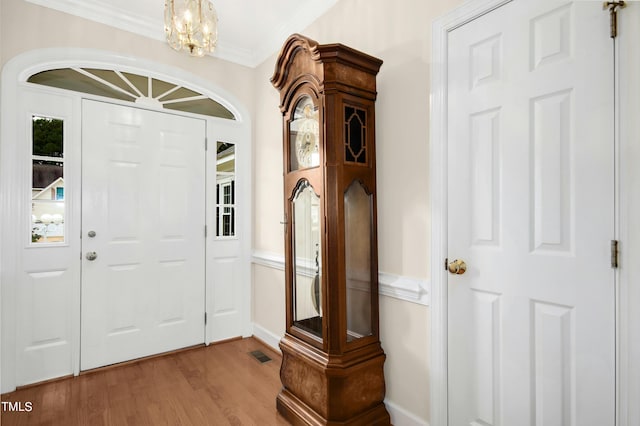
(191, 25)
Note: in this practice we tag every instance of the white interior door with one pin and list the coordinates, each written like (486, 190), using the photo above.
(531, 212)
(143, 215)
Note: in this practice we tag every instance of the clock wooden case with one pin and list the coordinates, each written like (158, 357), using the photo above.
(332, 360)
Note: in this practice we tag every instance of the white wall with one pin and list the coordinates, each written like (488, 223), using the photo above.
(25, 26)
(398, 33)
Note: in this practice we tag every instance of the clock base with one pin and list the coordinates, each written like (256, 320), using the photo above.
(322, 389)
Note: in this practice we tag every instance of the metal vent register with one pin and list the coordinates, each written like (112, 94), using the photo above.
(260, 356)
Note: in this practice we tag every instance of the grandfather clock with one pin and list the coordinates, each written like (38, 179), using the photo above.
(332, 361)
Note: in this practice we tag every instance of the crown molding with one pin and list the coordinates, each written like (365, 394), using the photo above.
(145, 26)
(112, 16)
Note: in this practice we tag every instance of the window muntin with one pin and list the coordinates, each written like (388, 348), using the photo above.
(47, 181)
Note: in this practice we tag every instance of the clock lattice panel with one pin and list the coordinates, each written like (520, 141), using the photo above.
(355, 132)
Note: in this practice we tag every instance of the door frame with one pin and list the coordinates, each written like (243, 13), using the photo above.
(12, 178)
(626, 208)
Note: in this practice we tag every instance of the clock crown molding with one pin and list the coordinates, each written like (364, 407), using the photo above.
(323, 56)
(289, 49)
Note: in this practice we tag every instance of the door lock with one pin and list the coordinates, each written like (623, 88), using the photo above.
(91, 255)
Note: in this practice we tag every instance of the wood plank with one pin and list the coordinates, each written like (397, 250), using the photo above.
(216, 385)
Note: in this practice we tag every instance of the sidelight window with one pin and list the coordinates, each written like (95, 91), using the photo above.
(226, 190)
(47, 180)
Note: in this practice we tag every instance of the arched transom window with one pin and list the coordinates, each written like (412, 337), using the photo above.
(126, 86)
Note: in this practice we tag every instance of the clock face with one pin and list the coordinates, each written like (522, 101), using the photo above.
(307, 143)
(305, 135)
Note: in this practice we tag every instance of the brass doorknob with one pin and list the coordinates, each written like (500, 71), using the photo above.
(457, 267)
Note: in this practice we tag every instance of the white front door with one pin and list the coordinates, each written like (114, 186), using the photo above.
(143, 241)
(531, 323)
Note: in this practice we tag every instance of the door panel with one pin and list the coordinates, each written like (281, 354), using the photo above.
(41, 281)
(225, 257)
(144, 197)
(530, 210)
(227, 296)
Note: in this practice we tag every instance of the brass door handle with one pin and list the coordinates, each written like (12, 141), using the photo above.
(457, 267)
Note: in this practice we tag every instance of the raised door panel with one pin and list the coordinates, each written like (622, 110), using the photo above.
(551, 170)
(45, 320)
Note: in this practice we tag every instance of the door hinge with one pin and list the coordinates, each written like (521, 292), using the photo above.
(206, 145)
(446, 263)
(612, 7)
(205, 318)
(614, 253)
(205, 231)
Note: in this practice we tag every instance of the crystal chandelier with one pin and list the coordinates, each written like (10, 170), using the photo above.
(192, 25)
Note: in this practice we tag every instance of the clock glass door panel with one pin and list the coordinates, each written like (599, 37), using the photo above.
(357, 225)
(304, 135)
(307, 268)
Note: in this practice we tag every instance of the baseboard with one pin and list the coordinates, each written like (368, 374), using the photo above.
(401, 417)
(267, 337)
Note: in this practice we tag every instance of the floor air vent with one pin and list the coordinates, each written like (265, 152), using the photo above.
(260, 356)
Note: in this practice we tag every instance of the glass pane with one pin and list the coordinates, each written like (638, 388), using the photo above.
(202, 106)
(307, 266)
(99, 80)
(69, 79)
(47, 137)
(159, 87)
(113, 78)
(141, 82)
(225, 189)
(304, 135)
(357, 222)
(47, 221)
(355, 133)
(47, 181)
(181, 93)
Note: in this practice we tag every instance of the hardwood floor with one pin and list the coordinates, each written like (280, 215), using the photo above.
(215, 385)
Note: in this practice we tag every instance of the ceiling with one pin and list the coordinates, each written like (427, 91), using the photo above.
(249, 31)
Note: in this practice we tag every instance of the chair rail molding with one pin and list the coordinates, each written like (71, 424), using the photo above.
(399, 287)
